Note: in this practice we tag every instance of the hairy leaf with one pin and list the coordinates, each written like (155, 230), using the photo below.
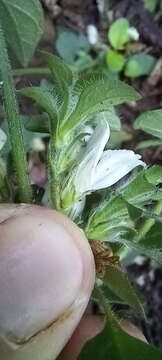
(111, 117)
(150, 122)
(44, 98)
(60, 71)
(154, 175)
(153, 239)
(22, 22)
(115, 344)
(111, 297)
(119, 283)
(150, 250)
(140, 191)
(69, 43)
(63, 79)
(37, 123)
(97, 93)
(109, 221)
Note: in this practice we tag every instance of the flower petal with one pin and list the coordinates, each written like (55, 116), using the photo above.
(3, 138)
(86, 170)
(113, 166)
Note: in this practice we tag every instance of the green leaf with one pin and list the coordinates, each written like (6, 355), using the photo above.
(27, 135)
(44, 98)
(117, 280)
(37, 123)
(153, 239)
(60, 71)
(149, 250)
(69, 43)
(115, 344)
(139, 192)
(83, 62)
(151, 4)
(63, 79)
(158, 195)
(148, 143)
(97, 93)
(115, 61)
(70, 155)
(109, 295)
(111, 117)
(154, 175)
(150, 122)
(109, 221)
(118, 33)
(117, 138)
(139, 65)
(23, 25)
(154, 254)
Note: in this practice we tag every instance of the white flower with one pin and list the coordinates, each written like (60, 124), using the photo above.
(99, 169)
(3, 138)
(92, 34)
(133, 33)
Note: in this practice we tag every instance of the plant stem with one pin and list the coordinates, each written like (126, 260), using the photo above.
(46, 71)
(52, 168)
(53, 179)
(14, 124)
(30, 71)
(147, 225)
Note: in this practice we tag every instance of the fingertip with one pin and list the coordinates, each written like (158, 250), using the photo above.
(89, 327)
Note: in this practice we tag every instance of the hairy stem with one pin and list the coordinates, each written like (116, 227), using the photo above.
(30, 71)
(47, 71)
(14, 124)
(54, 180)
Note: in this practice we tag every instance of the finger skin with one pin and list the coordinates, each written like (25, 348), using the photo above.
(47, 274)
(89, 327)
